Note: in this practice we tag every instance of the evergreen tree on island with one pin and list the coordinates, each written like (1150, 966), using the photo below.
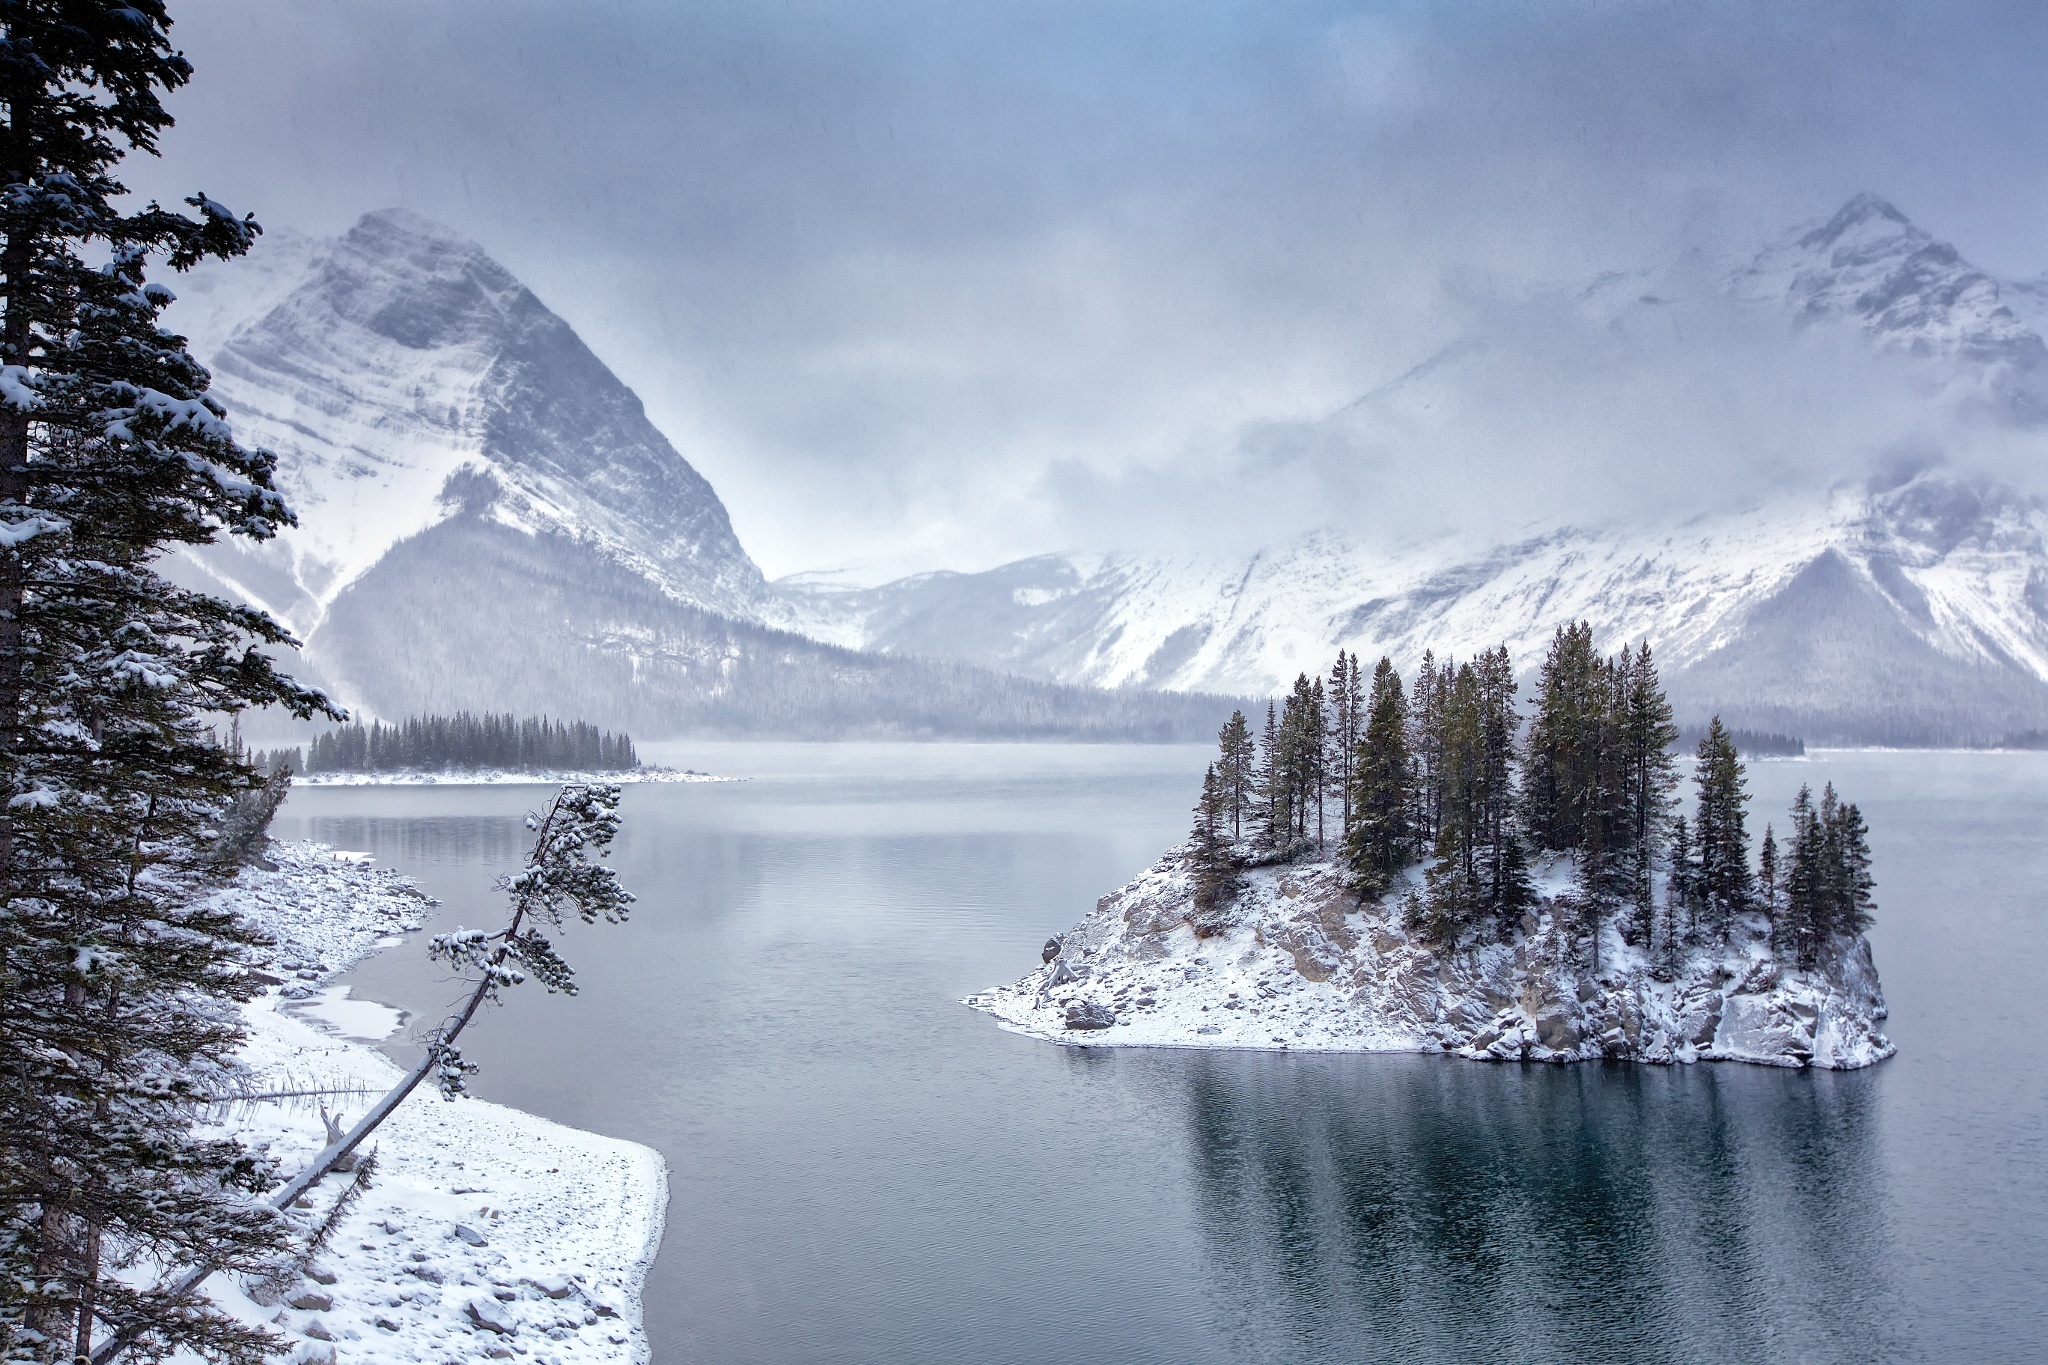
(1379, 843)
(1236, 770)
(1724, 885)
(116, 981)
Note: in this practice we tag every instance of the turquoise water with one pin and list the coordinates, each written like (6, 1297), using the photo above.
(863, 1170)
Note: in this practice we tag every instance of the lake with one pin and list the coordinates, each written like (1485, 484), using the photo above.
(862, 1170)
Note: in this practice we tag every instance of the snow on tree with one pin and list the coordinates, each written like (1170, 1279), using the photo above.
(117, 985)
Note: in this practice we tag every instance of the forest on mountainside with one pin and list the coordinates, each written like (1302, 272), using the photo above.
(1447, 776)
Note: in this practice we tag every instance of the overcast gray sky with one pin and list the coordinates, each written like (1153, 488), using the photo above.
(946, 283)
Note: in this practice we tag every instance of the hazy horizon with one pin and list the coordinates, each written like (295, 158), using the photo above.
(942, 287)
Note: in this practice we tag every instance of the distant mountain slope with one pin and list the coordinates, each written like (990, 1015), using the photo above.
(1912, 612)
(561, 623)
(402, 375)
(1913, 615)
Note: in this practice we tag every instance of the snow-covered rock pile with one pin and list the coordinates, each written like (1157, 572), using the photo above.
(327, 909)
(487, 1233)
(1294, 960)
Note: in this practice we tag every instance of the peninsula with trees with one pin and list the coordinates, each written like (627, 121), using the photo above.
(1414, 865)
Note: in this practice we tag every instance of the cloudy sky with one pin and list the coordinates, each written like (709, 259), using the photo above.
(946, 283)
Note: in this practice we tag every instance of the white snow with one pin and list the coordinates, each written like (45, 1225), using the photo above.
(1296, 962)
(488, 1233)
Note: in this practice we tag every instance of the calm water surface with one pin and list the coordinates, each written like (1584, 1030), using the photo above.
(864, 1171)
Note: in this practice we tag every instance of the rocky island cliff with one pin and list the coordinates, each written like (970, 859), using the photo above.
(1295, 959)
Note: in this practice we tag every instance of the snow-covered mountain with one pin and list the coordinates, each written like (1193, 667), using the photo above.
(1910, 610)
(404, 378)
(1911, 614)
(489, 520)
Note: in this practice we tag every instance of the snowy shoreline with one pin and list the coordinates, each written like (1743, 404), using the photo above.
(488, 1233)
(1295, 962)
(499, 777)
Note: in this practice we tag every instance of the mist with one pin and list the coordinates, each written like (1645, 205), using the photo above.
(936, 286)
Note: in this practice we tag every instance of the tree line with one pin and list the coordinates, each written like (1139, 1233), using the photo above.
(465, 740)
(1447, 775)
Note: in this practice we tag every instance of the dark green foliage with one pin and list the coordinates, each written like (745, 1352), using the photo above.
(1828, 885)
(1725, 885)
(116, 980)
(1568, 784)
(1347, 713)
(1480, 880)
(465, 741)
(1292, 767)
(1211, 862)
(1236, 771)
(1380, 842)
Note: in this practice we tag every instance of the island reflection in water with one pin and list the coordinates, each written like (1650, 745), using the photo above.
(1405, 1207)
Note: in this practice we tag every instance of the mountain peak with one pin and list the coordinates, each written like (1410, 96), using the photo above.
(1865, 210)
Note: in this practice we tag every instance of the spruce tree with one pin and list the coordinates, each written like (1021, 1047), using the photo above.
(1851, 901)
(1236, 770)
(116, 981)
(1726, 887)
(1649, 777)
(1274, 813)
(1380, 843)
(1799, 924)
(1767, 878)
(1209, 858)
(1347, 718)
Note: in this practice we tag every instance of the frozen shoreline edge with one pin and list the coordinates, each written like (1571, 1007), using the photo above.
(330, 910)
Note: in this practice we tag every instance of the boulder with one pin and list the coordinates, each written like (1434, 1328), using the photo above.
(311, 1301)
(470, 1235)
(1050, 951)
(1089, 1014)
(488, 1315)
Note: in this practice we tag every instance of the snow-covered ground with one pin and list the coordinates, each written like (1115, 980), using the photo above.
(1295, 961)
(499, 777)
(488, 1233)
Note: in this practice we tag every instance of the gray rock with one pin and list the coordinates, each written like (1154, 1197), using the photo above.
(490, 1316)
(554, 1286)
(1089, 1014)
(470, 1235)
(1050, 951)
(317, 1330)
(320, 1274)
(311, 1301)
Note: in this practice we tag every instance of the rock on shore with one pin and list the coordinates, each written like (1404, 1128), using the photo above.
(1294, 960)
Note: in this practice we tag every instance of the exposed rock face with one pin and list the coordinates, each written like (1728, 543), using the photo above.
(1296, 961)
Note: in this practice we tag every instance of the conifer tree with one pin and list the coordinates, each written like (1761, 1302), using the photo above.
(1380, 843)
(1681, 896)
(1209, 856)
(1347, 719)
(1726, 887)
(1767, 878)
(115, 977)
(1275, 814)
(1236, 770)
(1649, 776)
(1426, 745)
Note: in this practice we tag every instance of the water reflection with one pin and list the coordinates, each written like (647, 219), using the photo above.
(1404, 1208)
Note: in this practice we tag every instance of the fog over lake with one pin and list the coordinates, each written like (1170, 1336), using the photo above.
(863, 1170)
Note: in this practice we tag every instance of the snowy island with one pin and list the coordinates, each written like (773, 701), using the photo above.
(1297, 960)
(1394, 871)
(487, 1233)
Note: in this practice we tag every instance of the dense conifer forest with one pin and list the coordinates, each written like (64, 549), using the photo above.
(1445, 774)
(463, 741)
